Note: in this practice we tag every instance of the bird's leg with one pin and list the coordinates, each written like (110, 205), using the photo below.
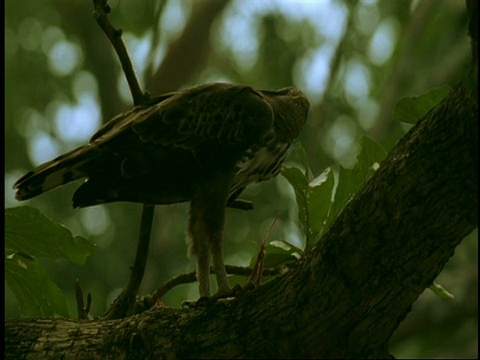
(216, 248)
(198, 244)
(205, 230)
(203, 264)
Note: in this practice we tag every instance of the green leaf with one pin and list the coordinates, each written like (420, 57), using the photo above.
(272, 260)
(300, 186)
(441, 291)
(281, 247)
(30, 234)
(238, 279)
(280, 252)
(37, 295)
(370, 157)
(411, 109)
(29, 231)
(319, 203)
(299, 155)
(316, 209)
(351, 181)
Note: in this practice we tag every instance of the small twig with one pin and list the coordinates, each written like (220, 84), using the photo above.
(89, 303)
(125, 303)
(100, 12)
(256, 277)
(82, 310)
(147, 302)
(138, 269)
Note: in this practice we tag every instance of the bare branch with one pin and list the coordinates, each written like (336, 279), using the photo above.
(100, 14)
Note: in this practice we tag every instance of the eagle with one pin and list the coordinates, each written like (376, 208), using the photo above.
(202, 145)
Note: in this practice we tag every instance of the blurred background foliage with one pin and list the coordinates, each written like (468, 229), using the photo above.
(353, 59)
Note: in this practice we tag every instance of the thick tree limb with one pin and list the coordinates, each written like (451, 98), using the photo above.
(346, 297)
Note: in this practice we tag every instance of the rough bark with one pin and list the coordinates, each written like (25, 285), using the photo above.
(346, 297)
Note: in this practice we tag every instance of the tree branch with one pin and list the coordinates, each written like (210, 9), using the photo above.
(125, 302)
(100, 12)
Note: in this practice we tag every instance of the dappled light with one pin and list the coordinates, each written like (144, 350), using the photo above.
(96, 220)
(383, 41)
(64, 57)
(43, 147)
(357, 81)
(76, 124)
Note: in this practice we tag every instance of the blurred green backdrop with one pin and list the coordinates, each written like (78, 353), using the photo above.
(353, 59)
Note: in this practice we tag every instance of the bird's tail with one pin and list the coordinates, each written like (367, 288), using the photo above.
(57, 172)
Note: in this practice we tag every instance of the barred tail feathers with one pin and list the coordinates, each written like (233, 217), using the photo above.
(54, 173)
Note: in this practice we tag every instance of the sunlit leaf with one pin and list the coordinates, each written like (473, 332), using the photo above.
(278, 252)
(281, 246)
(319, 202)
(320, 179)
(441, 291)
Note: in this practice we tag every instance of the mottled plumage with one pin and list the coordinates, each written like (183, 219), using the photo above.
(203, 145)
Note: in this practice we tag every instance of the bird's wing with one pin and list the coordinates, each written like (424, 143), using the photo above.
(224, 113)
(123, 119)
(228, 118)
